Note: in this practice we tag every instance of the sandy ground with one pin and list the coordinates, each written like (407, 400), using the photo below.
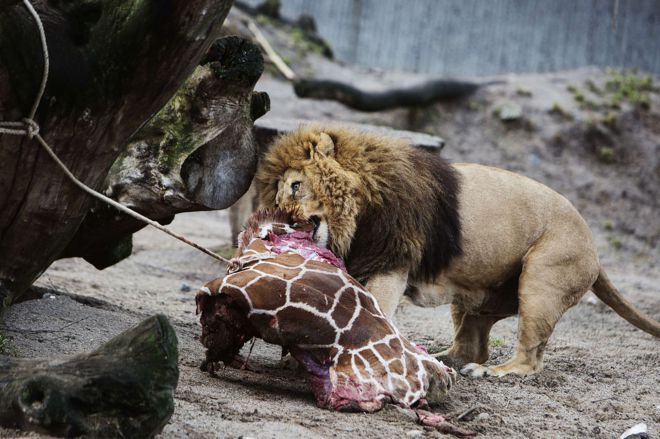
(601, 375)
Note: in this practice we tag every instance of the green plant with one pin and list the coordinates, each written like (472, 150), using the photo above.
(3, 345)
(523, 92)
(606, 154)
(302, 41)
(560, 111)
(497, 342)
(610, 119)
(615, 242)
(630, 86)
(592, 87)
(474, 105)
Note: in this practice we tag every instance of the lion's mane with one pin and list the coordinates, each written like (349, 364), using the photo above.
(389, 205)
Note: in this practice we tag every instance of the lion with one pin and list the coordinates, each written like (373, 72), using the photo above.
(491, 242)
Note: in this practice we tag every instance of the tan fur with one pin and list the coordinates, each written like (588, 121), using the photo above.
(525, 248)
(364, 168)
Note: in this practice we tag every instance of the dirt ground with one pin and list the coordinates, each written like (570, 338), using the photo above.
(601, 374)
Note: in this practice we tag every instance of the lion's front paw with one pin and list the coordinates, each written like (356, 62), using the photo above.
(475, 370)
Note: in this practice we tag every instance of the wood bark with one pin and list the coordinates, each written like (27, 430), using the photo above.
(114, 63)
(267, 129)
(197, 153)
(124, 389)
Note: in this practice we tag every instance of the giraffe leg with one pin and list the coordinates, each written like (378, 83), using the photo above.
(388, 288)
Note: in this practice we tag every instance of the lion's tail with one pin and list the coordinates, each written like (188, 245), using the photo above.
(608, 293)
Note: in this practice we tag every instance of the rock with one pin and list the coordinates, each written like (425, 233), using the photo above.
(266, 130)
(639, 431)
(509, 111)
(591, 299)
(184, 287)
(414, 433)
(481, 417)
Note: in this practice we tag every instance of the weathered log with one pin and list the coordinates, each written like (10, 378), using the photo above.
(266, 130)
(425, 93)
(112, 68)
(124, 389)
(197, 153)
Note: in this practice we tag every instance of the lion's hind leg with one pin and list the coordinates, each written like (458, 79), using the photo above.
(548, 287)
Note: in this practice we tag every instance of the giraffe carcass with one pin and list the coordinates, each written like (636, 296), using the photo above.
(284, 288)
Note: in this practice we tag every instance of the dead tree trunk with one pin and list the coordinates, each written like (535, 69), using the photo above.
(124, 389)
(114, 63)
(425, 93)
(197, 153)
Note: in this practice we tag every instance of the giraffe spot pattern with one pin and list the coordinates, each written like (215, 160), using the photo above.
(319, 310)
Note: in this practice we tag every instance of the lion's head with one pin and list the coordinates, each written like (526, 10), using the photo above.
(386, 205)
(303, 171)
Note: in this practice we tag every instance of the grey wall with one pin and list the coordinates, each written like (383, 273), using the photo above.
(484, 37)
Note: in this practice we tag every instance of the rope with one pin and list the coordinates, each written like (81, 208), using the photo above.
(29, 128)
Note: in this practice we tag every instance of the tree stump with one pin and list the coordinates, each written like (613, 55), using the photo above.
(114, 64)
(124, 389)
(197, 153)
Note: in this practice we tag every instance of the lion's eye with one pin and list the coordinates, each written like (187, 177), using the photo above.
(295, 186)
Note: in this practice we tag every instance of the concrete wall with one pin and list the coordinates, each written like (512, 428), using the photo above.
(484, 37)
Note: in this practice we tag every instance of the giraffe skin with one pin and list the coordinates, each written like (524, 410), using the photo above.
(283, 288)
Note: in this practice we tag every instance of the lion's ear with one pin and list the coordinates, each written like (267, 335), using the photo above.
(325, 145)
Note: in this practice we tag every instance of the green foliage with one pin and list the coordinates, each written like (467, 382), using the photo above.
(558, 110)
(615, 242)
(592, 87)
(304, 44)
(606, 154)
(474, 105)
(622, 87)
(497, 342)
(610, 119)
(630, 86)
(524, 92)
(300, 40)
(4, 345)
(266, 20)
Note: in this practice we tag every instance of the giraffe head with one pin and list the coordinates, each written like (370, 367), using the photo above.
(288, 292)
